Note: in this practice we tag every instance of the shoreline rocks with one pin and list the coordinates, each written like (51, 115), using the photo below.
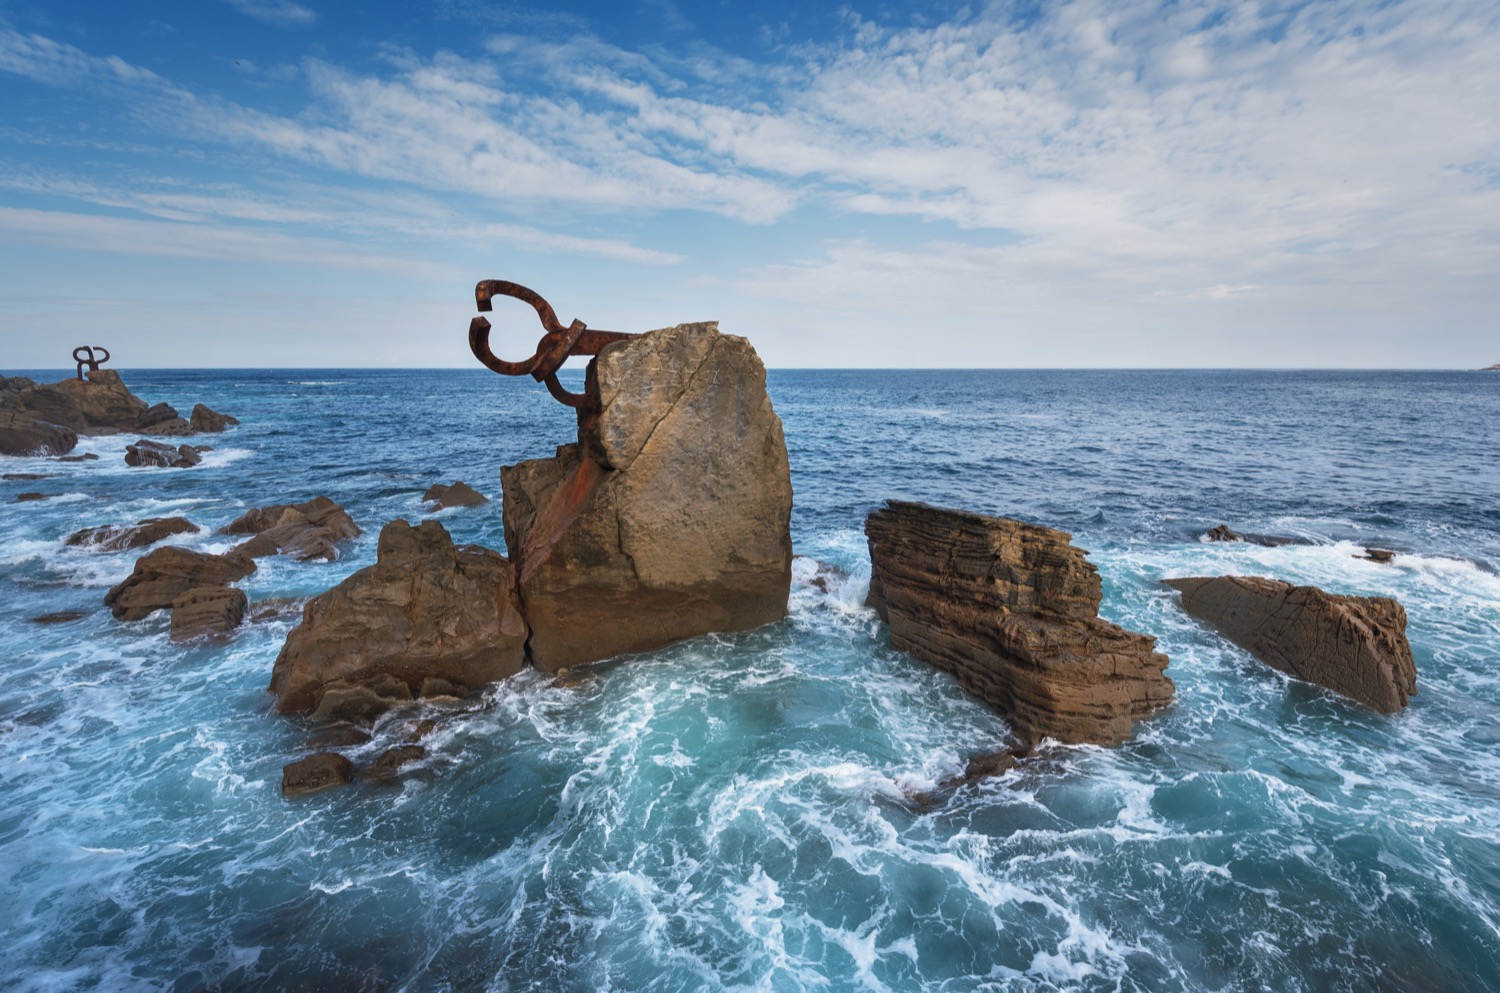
(1355, 646)
(671, 515)
(426, 616)
(160, 577)
(122, 537)
(1011, 611)
(47, 418)
(305, 531)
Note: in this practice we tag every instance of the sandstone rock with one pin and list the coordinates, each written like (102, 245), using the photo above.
(23, 434)
(116, 538)
(30, 497)
(316, 772)
(670, 518)
(343, 736)
(460, 494)
(24, 476)
(302, 530)
(103, 401)
(209, 421)
(85, 457)
(1383, 555)
(162, 419)
(1223, 533)
(1352, 645)
(392, 759)
(425, 609)
(160, 577)
(154, 453)
(207, 610)
(1011, 610)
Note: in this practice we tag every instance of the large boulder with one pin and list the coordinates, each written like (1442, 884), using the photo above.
(116, 538)
(207, 611)
(671, 516)
(162, 419)
(1011, 610)
(305, 531)
(459, 494)
(1349, 644)
(103, 402)
(23, 434)
(425, 612)
(209, 421)
(160, 577)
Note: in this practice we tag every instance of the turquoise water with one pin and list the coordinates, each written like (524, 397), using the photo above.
(731, 813)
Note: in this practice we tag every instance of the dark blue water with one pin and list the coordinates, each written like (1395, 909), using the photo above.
(730, 813)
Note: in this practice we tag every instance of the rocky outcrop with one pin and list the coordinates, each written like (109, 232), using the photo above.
(460, 494)
(1223, 532)
(22, 434)
(207, 611)
(426, 610)
(1011, 610)
(305, 531)
(118, 538)
(1352, 645)
(207, 421)
(47, 418)
(160, 577)
(154, 453)
(670, 516)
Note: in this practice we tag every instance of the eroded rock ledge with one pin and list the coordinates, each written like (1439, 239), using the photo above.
(1349, 644)
(1011, 610)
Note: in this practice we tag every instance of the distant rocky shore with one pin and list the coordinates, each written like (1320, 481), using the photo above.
(47, 418)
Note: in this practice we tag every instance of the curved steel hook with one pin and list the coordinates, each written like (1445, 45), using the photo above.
(88, 358)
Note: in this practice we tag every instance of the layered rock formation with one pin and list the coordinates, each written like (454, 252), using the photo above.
(207, 611)
(1352, 645)
(47, 418)
(305, 531)
(459, 494)
(1011, 610)
(160, 577)
(426, 618)
(671, 515)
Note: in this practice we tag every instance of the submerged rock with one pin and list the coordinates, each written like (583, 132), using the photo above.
(31, 497)
(1011, 610)
(316, 772)
(426, 609)
(1352, 645)
(116, 538)
(671, 516)
(160, 577)
(305, 531)
(460, 494)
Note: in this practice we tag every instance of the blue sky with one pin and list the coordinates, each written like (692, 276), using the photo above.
(302, 183)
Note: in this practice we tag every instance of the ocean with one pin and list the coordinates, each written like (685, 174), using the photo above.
(732, 813)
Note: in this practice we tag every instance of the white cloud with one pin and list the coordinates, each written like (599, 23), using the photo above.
(282, 13)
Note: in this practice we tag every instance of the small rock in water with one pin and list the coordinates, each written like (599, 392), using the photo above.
(85, 457)
(391, 761)
(209, 421)
(156, 454)
(30, 497)
(344, 736)
(207, 611)
(160, 577)
(26, 476)
(115, 538)
(460, 494)
(316, 772)
(304, 531)
(59, 617)
(1378, 554)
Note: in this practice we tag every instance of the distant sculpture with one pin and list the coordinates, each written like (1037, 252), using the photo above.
(85, 355)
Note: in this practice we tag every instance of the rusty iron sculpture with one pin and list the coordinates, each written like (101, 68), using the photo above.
(86, 355)
(551, 352)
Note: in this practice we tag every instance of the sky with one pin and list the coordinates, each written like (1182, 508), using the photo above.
(299, 183)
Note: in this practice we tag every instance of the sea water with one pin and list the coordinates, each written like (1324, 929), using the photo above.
(734, 812)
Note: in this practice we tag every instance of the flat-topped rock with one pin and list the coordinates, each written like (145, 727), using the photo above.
(458, 494)
(1352, 645)
(1011, 611)
(425, 610)
(161, 576)
(671, 515)
(207, 611)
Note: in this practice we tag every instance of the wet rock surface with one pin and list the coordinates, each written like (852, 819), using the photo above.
(207, 611)
(116, 538)
(154, 453)
(47, 418)
(22, 434)
(670, 516)
(425, 610)
(316, 772)
(1352, 645)
(1011, 610)
(205, 420)
(304, 531)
